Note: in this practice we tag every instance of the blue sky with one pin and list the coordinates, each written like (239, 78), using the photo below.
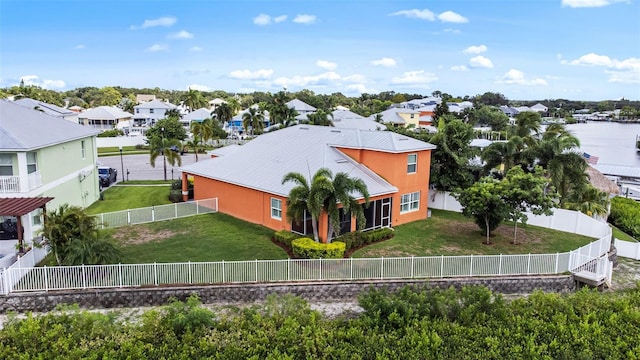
(526, 50)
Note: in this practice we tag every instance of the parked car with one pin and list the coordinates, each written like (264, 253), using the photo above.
(107, 175)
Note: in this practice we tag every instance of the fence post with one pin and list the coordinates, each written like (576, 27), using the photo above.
(102, 220)
(557, 260)
(256, 277)
(320, 260)
(382, 267)
(529, 264)
(84, 278)
(190, 280)
(351, 270)
(120, 275)
(223, 271)
(412, 263)
(288, 269)
(155, 273)
(175, 210)
(128, 217)
(471, 266)
(46, 279)
(441, 265)
(153, 214)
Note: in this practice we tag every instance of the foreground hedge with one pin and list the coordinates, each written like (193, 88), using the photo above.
(439, 324)
(306, 248)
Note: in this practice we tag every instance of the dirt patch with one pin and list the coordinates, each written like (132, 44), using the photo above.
(504, 231)
(142, 235)
(626, 275)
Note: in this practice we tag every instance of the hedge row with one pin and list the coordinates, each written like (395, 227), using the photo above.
(306, 248)
(625, 214)
(354, 240)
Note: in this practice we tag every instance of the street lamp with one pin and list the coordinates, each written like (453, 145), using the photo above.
(121, 162)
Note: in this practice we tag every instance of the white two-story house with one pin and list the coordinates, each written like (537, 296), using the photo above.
(147, 113)
(42, 157)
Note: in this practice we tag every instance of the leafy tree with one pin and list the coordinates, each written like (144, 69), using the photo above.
(526, 192)
(589, 200)
(172, 114)
(164, 146)
(169, 128)
(194, 100)
(490, 98)
(450, 161)
(483, 202)
(440, 110)
(555, 140)
(107, 96)
(92, 250)
(253, 119)
(307, 195)
(491, 116)
(320, 118)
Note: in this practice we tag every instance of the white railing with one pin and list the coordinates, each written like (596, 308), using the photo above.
(21, 279)
(12, 275)
(9, 184)
(156, 213)
(628, 249)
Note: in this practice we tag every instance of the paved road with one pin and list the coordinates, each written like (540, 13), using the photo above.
(140, 169)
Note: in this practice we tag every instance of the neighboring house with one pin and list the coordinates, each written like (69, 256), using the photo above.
(196, 115)
(418, 103)
(350, 120)
(539, 108)
(42, 156)
(104, 117)
(401, 117)
(236, 124)
(143, 98)
(247, 180)
(215, 103)
(149, 112)
(509, 110)
(49, 109)
(301, 107)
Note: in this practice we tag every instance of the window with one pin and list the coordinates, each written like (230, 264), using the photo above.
(84, 149)
(6, 165)
(410, 202)
(412, 163)
(137, 111)
(412, 115)
(37, 216)
(32, 164)
(150, 111)
(276, 208)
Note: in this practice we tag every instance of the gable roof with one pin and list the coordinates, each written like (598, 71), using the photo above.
(262, 163)
(155, 104)
(299, 105)
(349, 120)
(140, 98)
(49, 109)
(105, 113)
(197, 115)
(392, 115)
(23, 129)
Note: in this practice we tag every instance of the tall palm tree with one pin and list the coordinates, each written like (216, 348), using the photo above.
(196, 145)
(93, 250)
(567, 174)
(223, 113)
(307, 195)
(341, 193)
(321, 118)
(193, 100)
(254, 119)
(203, 130)
(163, 146)
(590, 201)
(555, 140)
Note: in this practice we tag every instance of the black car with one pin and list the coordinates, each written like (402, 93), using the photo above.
(107, 175)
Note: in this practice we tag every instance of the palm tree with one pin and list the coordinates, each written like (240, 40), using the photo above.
(172, 114)
(92, 250)
(554, 141)
(567, 173)
(590, 201)
(342, 193)
(378, 118)
(163, 146)
(193, 100)
(223, 113)
(63, 226)
(307, 195)
(254, 119)
(321, 118)
(196, 145)
(203, 130)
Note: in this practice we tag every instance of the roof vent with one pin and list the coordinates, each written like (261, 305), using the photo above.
(403, 139)
(303, 128)
(341, 161)
(336, 131)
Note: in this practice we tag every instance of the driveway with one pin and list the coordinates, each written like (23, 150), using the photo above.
(139, 168)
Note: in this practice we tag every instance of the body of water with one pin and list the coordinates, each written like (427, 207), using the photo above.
(614, 143)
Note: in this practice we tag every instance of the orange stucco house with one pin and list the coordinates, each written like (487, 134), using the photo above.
(247, 179)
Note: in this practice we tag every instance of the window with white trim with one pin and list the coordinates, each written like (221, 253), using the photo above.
(32, 163)
(412, 163)
(6, 165)
(410, 202)
(84, 149)
(276, 208)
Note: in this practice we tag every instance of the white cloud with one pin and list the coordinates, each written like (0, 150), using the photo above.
(279, 19)
(198, 87)
(157, 47)
(183, 34)
(619, 71)
(417, 77)
(162, 21)
(479, 49)
(361, 89)
(196, 72)
(304, 19)
(195, 48)
(262, 19)
(355, 78)
(245, 90)
(385, 61)
(516, 77)
(251, 75)
(424, 14)
(327, 65)
(46, 84)
(450, 16)
(459, 68)
(302, 81)
(79, 46)
(453, 31)
(480, 62)
(589, 3)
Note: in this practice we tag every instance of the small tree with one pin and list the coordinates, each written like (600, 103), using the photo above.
(483, 202)
(527, 192)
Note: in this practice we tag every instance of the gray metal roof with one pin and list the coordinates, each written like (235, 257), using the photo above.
(105, 113)
(300, 105)
(24, 129)
(199, 114)
(618, 170)
(349, 120)
(155, 104)
(262, 163)
(49, 109)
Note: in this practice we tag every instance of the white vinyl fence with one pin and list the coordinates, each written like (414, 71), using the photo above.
(156, 213)
(628, 249)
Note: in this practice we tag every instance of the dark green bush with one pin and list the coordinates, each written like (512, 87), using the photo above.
(306, 248)
(354, 240)
(625, 214)
(111, 133)
(285, 237)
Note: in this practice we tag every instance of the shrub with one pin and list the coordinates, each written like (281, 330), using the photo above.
(357, 239)
(111, 133)
(285, 237)
(307, 248)
(625, 214)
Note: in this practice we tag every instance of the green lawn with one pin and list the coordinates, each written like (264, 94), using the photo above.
(120, 197)
(619, 234)
(449, 233)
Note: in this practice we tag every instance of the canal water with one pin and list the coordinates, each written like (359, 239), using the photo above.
(614, 143)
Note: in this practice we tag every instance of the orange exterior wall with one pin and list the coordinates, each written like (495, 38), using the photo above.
(247, 204)
(393, 168)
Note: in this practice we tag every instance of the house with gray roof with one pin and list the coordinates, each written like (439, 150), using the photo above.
(350, 120)
(105, 118)
(151, 111)
(43, 156)
(49, 109)
(247, 181)
(301, 107)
